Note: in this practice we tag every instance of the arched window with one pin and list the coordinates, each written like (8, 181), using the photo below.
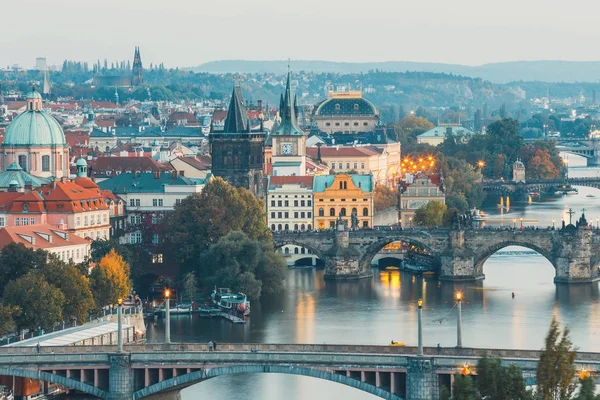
(286, 250)
(273, 227)
(337, 106)
(365, 212)
(287, 227)
(332, 212)
(345, 185)
(341, 185)
(343, 212)
(309, 227)
(295, 250)
(321, 212)
(355, 211)
(295, 227)
(23, 163)
(302, 227)
(302, 251)
(279, 227)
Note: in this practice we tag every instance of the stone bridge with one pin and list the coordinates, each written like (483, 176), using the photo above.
(141, 371)
(537, 185)
(460, 254)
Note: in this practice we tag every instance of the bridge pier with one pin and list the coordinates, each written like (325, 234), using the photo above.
(458, 262)
(421, 379)
(343, 261)
(120, 377)
(575, 261)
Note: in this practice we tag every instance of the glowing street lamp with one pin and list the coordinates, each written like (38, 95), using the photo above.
(459, 320)
(167, 317)
(119, 325)
(553, 223)
(410, 220)
(514, 223)
(521, 222)
(481, 164)
(420, 328)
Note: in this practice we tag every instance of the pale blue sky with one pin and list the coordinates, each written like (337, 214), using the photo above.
(190, 32)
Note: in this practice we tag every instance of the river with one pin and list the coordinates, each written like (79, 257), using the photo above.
(377, 310)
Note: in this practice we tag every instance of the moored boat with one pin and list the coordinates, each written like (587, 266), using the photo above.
(228, 300)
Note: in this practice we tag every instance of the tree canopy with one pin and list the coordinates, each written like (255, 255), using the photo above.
(430, 214)
(117, 279)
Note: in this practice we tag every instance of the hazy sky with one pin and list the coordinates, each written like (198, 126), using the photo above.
(190, 32)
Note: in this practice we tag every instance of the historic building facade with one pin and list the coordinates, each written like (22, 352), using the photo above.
(345, 197)
(237, 152)
(290, 203)
(346, 112)
(419, 190)
(36, 142)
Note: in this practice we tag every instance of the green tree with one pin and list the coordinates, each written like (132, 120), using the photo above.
(40, 304)
(463, 179)
(384, 197)
(100, 248)
(243, 264)
(495, 382)
(462, 389)
(458, 202)
(555, 369)
(102, 288)
(430, 214)
(203, 218)
(16, 260)
(7, 323)
(190, 286)
(587, 390)
(410, 127)
(73, 285)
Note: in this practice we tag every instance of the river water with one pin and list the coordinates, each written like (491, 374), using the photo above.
(381, 309)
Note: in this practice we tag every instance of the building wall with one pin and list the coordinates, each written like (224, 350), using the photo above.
(285, 208)
(338, 199)
(58, 160)
(346, 123)
(421, 192)
(188, 171)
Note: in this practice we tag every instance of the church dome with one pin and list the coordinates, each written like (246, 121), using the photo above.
(34, 127)
(81, 162)
(346, 103)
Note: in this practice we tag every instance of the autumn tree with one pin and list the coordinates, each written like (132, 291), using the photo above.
(243, 264)
(384, 197)
(555, 369)
(39, 303)
(203, 218)
(117, 273)
(541, 167)
(430, 214)
(73, 284)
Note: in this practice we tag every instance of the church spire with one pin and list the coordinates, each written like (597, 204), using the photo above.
(288, 110)
(237, 115)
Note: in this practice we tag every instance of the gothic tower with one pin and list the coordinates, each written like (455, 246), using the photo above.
(237, 152)
(288, 140)
(137, 78)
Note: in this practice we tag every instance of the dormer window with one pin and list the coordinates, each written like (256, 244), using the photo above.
(26, 207)
(337, 107)
(356, 107)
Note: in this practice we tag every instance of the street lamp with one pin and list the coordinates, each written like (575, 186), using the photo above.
(514, 223)
(552, 223)
(420, 329)
(167, 317)
(597, 221)
(410, 220)
(119, 325)
(521, 222)
(459, 320)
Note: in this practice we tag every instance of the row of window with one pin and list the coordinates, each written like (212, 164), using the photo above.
(286, 227)
(341, 166)
(286, 203)
(346, 124)
(95, 235)
(365, 212)
(155, 202)
(137, 219)
(91, 220)
(286, 196)
(136, 237)
(286, 250)
(70, 254)
(333, 200)
(24, 221)
(157, 258)
(286, 214)
(45, 163)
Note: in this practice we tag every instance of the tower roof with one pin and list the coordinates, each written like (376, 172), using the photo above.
(237, 115)
(288, 112)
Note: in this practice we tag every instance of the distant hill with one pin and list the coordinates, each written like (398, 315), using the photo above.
(543, 71)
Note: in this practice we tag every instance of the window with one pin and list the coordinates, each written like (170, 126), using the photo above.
(332, 224)
(279, 215)
(45, 163)
(302, 203)
(132, 202)
(321, 212)
(302, 228)
(332, 212)
(337, 106)
(160, 202)
(137, 202)
(155, 238)
(309, 203)
(105, 218)
(302, 214)
(154, 219)
(32, 221)
(287, 203)
(365, 212)
(1, 221)
(296, 203)
(157, 258)
(337, 124)
(85, 221)
(23, 163)
(17, 222)
(339, 165)
(154, 202)
(295, 214)
(287, 214)
(347, 165)
(272, 203)
(302, 250)
(279, 203)
(295, 250)
(177, 202)
(362, 165)
(78, 221)
(327, 124)
(354, 211)
(346, 123)
(355, 165)
(365, 224)
(356, 124)
(295, 227)
(279, 228)
(273, 215)
(343, 212)
(273, 227)
(309, 215)
(355, 107)
(365, 124)
(287, 227)
(98, 219)
(135, 237)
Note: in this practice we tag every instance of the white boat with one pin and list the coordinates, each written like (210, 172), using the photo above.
(227, 301)
(478, 215)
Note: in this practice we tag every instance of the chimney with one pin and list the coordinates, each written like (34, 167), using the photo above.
(28, 186)
(174, 174)
(259, 102)
(319, 152)
(157, 175)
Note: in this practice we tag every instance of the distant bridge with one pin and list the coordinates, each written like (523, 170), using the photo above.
(144, 370)
(536, 185)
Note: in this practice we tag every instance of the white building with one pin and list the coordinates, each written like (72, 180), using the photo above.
(290, 203)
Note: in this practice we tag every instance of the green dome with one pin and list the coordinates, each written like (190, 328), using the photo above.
(34, 128)
(33, 95)
(81, 162)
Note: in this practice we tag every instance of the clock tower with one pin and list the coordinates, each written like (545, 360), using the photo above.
(288, 139)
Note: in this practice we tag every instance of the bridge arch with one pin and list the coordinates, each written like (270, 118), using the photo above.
(374, 248)
(485, 253)
(199, 376)
(53, 378)
(299, 243)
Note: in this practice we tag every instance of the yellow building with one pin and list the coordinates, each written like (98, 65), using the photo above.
(340, 196)
(419, 190)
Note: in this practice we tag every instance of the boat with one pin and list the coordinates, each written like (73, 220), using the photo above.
(590, 195)
(398, 344)
(181, 308)
(478, 215)
(227, 300)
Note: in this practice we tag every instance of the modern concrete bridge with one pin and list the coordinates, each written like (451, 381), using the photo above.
(460, 254)
(141, 371)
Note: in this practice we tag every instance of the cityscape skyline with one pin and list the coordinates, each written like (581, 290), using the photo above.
(423, 31)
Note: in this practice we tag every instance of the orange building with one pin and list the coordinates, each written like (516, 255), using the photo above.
(341, 196)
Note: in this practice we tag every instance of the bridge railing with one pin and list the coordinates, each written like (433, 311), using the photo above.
(293, 348)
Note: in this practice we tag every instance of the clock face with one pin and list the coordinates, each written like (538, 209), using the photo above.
(286, 148)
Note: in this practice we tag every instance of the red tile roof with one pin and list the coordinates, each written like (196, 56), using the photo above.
(343, 151)
(304, 181)
(43, 236)
(132, 164)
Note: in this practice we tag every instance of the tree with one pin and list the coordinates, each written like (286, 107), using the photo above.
(462, 179)
(7, 323)
(410, 127)
(555, 369)
(541, 166)
(117, 272)
(587, 390)
(243, 264)
(458, 202)
(75, 287)
(100, 248)
(16, 260)
(462, 389)
(203, 218)
(40, 304)
(384, 197)
(495, 382)
(190, 286)
(102, 288)
(430, 214)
